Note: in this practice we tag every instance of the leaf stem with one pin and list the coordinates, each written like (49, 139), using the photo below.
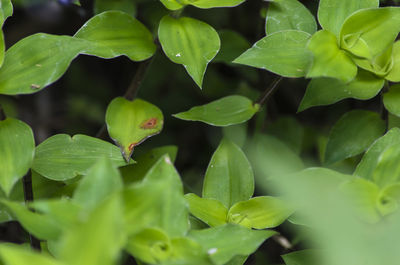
(269, 91)
(2, 114)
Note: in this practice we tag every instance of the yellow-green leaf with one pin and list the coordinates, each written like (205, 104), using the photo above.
(210, 211)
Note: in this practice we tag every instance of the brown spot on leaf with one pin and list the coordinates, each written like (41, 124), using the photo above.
(149, 124)
(131, 146)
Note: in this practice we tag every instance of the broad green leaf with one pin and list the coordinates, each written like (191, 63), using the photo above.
(381, 65)
(222, 112)
(333, 13)
(189, 42)
(172, 4)
(17, 255)
(44, 188)
(178, 4)
(101, 181)
(394, 75)
(387, 170)
(283, 53)
(389, 199)
(136, 172)
(289, 14)
(99, 240)
(391, 100)
(363, 194)
(329, 60)
(222, 243)
(126, 6)
(6, 10)
(367, 38)
(158, 201)
(326, 91)
(150, 245)
(352, 134)
(238, 260)
(371, 157)
(62, 157)
(259, 212)
(210, 211)
(302, 257)
(129, 123)
(229, 177)
(115, 33)
(232, 44)
(17, 148)
(39, 225)
(2, 48)
(187, 251)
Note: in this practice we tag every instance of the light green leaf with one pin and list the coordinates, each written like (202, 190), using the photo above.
(223, 112)
(172, 4)
(303, 257)
(232, 44)
(126, 6)
(367, 38)
(150, 245)
(326, 91)
(238, 260)
(17, 148)
(136, 172)
(259, 212)
(394, 74)
(178, 4)
(352, 134)
(189, 42)
(102, 180)
(129, 123)
(387, 170)
(370, 159)
(329, 60)
(289, 14)
(210, 211)
(381, 65)
(333, 13)
(99, 240)
(158, 201)
(2, 48)
(6, 10)
(61, 157)
(16, 254)
(222, 243)
(229, 177)
(283, 53)
(187, 251)
(236, 133)
(391, 100)
(115, 33)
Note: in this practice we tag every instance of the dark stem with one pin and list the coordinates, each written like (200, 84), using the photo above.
(28, 195)
(2, 114)
(269, 91)
(384, 111)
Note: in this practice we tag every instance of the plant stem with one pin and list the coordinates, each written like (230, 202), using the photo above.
(2, 114)
(269, 91)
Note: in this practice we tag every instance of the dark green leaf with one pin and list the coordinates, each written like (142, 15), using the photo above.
(126, 6)
(303, 257)
(232, 44)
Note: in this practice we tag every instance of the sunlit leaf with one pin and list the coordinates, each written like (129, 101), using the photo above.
(17, 147)
(391, 100)
(6, 10)
(283, 53)
(394, 74)
(223, 112)
(187, 251)
(129, 123)
(210, 211)
(16, 254)
(189, 42)
(387, 170)
(62, 157)
(178, 4)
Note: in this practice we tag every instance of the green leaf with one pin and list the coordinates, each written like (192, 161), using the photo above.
(329, 60)
(333, 13)
(326, 91)
(222, 243)
(17, 147)
(222, 112)
(126, 6)
(172, 4)
(289, 14)
(259, 212)
(102, 180)
(136, 172)
(370, 159)
(363, 194)
(283, 53)
(158, 201)
(99, 240)
(238, 260)
(288, 130)
(352, 134)
(115, 33)
(229, 177)
(391, 100)
(367, 38)
(187, 251)
(129, 123)
(16, 254)
(387, 170)
(150, 245)
(178, 4)
(303, 257)
(189, 42)
(210, 211)
(232, 44)
(6, 10)
(61, 157)
(394, 74)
